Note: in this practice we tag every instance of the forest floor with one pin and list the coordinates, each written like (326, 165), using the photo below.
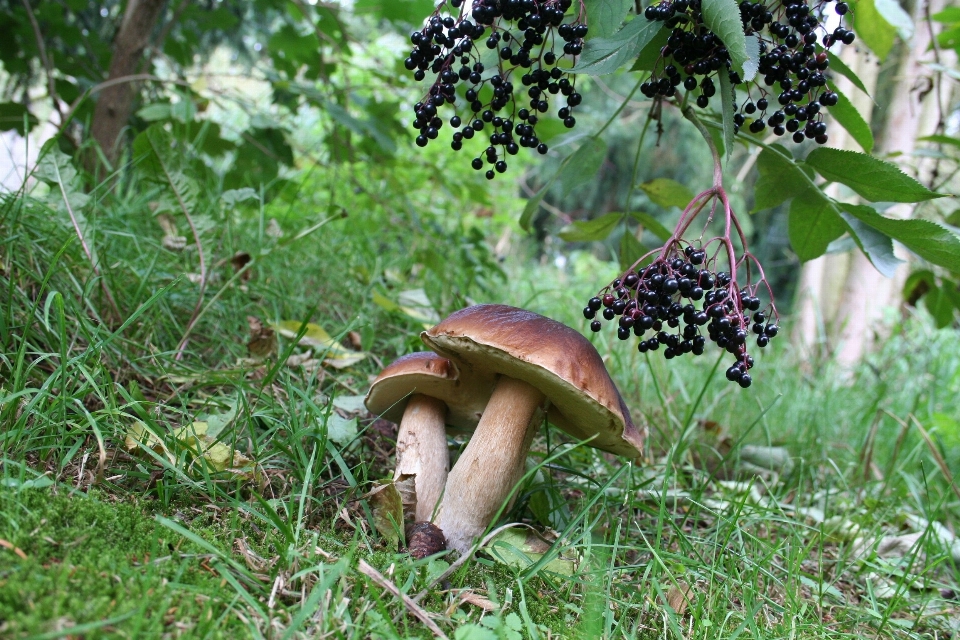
(219, 487)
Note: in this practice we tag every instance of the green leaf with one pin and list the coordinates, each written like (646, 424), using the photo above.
(591, 230)
(581, 165)
(878, 247)
(723, 18)
(928, 240)
(159, 160)
(533, 204)
(850, 119)
(940, 139)
(630, 250)
(649, 223)
(649, 56)
(726, 105)
(873, 179)
(814, 223)
(940, 305)
(873, 28)
(667, 193)
(780, 179)
(947, 16)
(606, 16)
(893, 13)
(839, 66)
(605, 55)
(13, 117)
(521, 547)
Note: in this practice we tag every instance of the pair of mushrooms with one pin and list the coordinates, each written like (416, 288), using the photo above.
(496, 370)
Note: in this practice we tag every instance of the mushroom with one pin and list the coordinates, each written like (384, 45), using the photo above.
(540, 364)
(423, 392)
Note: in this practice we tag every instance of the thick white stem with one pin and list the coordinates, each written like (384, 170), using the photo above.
(492, 463)
(422, 450)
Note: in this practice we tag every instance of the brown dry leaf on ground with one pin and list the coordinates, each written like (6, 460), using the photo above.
(263, 340)
(316, 337)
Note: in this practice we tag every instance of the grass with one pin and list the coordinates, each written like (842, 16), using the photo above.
(102, 540)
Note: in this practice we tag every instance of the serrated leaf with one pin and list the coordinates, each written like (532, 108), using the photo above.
(582, 165)
(814, 223)
(601, 56)
(839, 66)
(872, 28)
(723, 18)
(667, 193)
(928, 240)
(649, 223)
(780, 179)
(873, 179)
(850, 119)
(727, 110)
(591, 230)
(630, 250)
(232, 197)
(877, 246)
(605, 16)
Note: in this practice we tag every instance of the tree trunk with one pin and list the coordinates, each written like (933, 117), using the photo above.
(115, 102)
(821, 281)
(866, 292)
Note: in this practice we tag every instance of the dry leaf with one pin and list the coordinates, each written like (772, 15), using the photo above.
(679, 597)
(469, 597)
(407, 488)
(239, 261)
(263, 340)
(353, 337)
(205, 448)
(317, 338)
(172, 241)
(273, 229)
(387, 512)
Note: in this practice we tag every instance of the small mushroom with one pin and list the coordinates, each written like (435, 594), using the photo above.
(423, 392)
(540, 364)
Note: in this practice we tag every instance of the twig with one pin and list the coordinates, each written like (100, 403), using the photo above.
(407, 601)
(42, 49)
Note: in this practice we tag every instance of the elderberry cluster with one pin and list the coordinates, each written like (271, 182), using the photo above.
(524, 35)
(789, 58)
(663, 296)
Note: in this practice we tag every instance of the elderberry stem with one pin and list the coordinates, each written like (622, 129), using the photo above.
(691, 115)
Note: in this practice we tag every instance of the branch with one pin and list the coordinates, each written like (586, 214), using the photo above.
(48, 67)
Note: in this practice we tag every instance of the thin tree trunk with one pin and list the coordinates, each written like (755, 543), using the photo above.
(866, 292)
(822, 279)
(115, 103)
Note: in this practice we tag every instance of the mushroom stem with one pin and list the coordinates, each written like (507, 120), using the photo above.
(422, 450)
(491, 464)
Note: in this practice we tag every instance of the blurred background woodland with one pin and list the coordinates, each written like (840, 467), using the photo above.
(183, 181)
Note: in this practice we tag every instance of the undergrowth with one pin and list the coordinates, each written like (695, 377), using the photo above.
(817, 504)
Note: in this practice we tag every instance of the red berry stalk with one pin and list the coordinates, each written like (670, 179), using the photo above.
(685, 292)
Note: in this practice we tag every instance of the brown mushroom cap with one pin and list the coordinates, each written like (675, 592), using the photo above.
(490, 339)
(431, 375)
